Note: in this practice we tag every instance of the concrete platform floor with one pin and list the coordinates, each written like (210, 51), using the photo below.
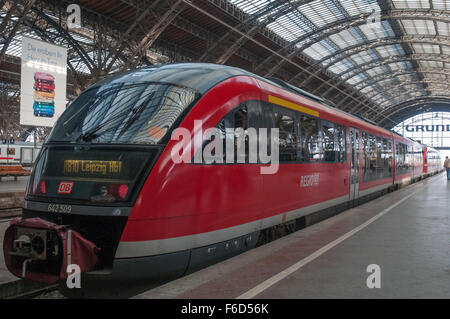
(8, 185)
(5, 275)
(406, 233)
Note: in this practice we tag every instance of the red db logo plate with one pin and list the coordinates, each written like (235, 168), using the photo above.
(65, 188)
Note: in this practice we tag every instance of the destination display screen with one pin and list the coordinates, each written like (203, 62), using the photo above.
(92, 168)
(90, 173)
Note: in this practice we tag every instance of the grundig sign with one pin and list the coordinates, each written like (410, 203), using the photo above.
(428, 128)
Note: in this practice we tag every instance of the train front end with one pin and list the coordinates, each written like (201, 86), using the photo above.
(90, 173)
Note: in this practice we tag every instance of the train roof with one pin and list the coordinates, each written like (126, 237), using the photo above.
(204, 76)
(198, 76)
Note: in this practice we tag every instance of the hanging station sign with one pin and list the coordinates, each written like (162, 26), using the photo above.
(428, 128)
(43, 82)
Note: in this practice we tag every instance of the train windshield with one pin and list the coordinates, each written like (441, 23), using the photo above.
(120, 113)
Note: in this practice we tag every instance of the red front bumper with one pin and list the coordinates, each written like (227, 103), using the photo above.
(38, 250)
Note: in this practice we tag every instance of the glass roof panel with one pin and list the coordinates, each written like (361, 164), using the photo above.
(431, 64)
(413, 4)
(362, 57)
(344, 39)
(338, 67)
(357, 7)
(286, 28)
(251, 7)
(390, 50)
(441, 4)
(424, 27)
(375, 71)
(320, 13)
(318, 51)
(443, 28)
(445, 49)
(426, 48)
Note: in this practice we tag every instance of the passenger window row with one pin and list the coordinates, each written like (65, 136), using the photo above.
(302, 138)
(377, 157)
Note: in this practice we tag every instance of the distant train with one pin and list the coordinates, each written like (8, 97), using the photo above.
(107, 182)
(24, 153)
(433, 160)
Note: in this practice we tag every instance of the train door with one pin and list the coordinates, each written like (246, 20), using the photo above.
(354, 163)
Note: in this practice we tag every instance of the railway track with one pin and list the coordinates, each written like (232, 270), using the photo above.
(47, 292)
(6, 214)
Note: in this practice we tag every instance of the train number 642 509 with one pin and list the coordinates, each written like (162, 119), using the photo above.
(57, 208)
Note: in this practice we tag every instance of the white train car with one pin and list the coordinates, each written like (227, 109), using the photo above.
(24, 153)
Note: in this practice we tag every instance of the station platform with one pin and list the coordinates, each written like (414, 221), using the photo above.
(8, 184)
(11, 196)
(405, 233)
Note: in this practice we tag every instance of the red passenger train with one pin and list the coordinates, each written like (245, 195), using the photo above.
(105, 192)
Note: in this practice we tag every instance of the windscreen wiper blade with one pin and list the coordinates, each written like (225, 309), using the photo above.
(136, 113)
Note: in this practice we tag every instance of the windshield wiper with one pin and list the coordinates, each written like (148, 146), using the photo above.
(91, 134)
(137, 111)
(88, 135)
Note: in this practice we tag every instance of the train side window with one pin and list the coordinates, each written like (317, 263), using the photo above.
(386, 158)
(342, 143)
(240, 118)
(236, 119)
(310, 139)
(379, 161)
(11, 151)
(403, 158)
(407, 157)
(366, 157)
(389, 157)
(328, 142)
(288, 137)
(241, 139)
(373, 157)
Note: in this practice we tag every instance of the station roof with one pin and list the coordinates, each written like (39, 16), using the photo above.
(401, 56)
(383, 59)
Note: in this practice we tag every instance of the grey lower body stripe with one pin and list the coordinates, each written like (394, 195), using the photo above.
(169, 245)
(374, 189)
(406, 180)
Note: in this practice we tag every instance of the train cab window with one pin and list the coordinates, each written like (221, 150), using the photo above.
(288, 137)
(328, 142)
(310, 139)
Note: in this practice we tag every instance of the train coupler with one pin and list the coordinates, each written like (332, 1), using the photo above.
(38, 250)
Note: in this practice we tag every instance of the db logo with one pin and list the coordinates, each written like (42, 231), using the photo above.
(65, 188)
